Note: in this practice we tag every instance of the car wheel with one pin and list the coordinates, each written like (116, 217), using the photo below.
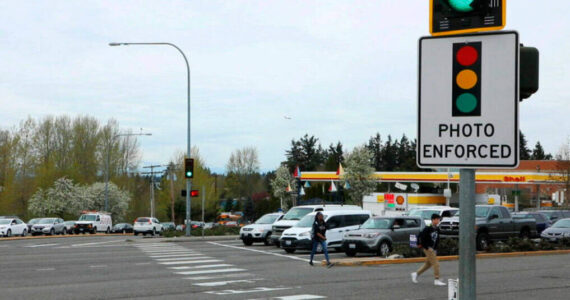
(25, 232)
(482, 241)
(108, 230)
(267, 240)
(124, 231)
(525, 234)
(64, 231)
(290, 250)
(153, 231)
(135, 233)
(277, 244)
(350, 253)
(52, 231)
(9, 233)
(247, 242)
(94, 231)
(384, 249)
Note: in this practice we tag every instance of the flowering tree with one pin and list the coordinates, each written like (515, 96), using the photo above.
(281, 182)
(358, 174)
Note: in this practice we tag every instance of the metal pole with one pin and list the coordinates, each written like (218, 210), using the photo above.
(203, 201)
(151, 194)
(517, 197)
(189, 149)
(107, 177)
(467, 237)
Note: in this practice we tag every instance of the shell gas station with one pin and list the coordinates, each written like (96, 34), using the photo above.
(537, 179)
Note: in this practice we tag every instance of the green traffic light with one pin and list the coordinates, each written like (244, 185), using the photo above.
(461, 5)
(466, 103)
(188, 174)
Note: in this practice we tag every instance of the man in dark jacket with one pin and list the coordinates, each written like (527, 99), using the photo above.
(319, 238)
(429, 240)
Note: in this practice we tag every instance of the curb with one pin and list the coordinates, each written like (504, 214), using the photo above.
(352, 262)
(17, 238)
(189, 239)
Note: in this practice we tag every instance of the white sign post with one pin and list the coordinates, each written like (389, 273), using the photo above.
(468, 101)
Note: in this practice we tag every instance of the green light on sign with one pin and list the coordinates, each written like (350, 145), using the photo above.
(461, 5)
(466, 102)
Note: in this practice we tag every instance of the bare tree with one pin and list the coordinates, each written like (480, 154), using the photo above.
(563, 166)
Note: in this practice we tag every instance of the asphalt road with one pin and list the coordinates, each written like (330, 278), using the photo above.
(120, 267)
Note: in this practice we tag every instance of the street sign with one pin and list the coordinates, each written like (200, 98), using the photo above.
(468, 101)
(449, 17)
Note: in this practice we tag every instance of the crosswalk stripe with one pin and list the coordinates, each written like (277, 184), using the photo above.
(220, 283)
(201, 267)
(218, 276)
(177, 258)
(254, 290)
(199, 262)
(299, 297)
(174, 255)
(211, 271)
(182, 262)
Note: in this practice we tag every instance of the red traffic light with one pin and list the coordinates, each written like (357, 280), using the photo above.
(467, 56)
(194, 193)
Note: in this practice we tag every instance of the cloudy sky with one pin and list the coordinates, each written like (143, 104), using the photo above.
(342, 70)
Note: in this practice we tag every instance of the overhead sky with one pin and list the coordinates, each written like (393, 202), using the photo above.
(341, 70)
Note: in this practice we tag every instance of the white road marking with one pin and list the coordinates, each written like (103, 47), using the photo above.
(211, 271)
(46, 269)
(175, 255)
(220, 283)
(189, 260)
(220, 276)
(299, 297)
(169, 252)
(143, 264)
(201, 267)
(95, 243)
(255, 290)
(40, 245)
(98, 266)
(260, 251)
(184, 257)
(199, 262)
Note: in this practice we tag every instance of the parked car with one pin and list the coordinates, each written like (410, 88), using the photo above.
(260, 231)
(31, 223)
(380, 234)
(555, 215)
(492, 222)
(541, 220)
(13, 226)
(180, 227)
(425, 213)
(558, 231)
(69, 226)
(147, 225)
(94, 222)
(338, 222)
(230, 224)
(297, 213)
(196, 224)
(123, 228)
(168, 226)
(210, 225)
(49, 226)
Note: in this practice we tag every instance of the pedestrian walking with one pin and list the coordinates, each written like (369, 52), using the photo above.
(319, 238)
(429, 240)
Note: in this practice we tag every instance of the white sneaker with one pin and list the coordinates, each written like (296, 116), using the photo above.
(438, 282)
(414, 277)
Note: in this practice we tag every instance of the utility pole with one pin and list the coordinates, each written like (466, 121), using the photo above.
(171, 174)
(151, 173)
(203, 202)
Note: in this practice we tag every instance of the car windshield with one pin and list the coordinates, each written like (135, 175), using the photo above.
(33, 221)
(5, 221)
(377, 223)
(145, 220)
(296, 213)
(267, 219)
(88, 218)
(523, 216)
(424, 214)
(46, 221)
(307, 221)
(548, 214)
(562, 224)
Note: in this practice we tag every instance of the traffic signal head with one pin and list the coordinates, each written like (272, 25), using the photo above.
(189, 168)
(466, 80)
(194, 193)
(448, 17)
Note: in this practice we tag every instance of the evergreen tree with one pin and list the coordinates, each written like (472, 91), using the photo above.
(538, 152)
(376, 148)
(524, 150)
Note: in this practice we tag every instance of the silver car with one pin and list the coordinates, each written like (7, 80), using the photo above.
(558, 231)
(49, 226)
(379, 235)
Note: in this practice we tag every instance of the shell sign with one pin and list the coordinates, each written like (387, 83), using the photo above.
(400, 200)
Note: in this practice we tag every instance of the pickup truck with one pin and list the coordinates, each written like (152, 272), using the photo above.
(492, 223)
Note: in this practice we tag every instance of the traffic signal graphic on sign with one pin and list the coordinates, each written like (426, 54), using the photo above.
(466, 77)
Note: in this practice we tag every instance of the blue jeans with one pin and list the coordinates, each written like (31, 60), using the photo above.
(323, 245)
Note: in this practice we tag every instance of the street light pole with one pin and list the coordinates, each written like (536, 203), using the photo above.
(188, 150)
(107, 167)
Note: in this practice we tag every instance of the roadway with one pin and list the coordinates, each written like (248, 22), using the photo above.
(127, 267)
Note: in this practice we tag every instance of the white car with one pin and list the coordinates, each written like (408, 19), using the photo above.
(146, 225)
(260, 231)
(94, 222)
(10, 227)
(425, 213)
(338, 222)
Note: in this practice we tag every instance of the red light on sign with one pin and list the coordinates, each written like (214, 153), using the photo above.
(467, 56)
(389, 197)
